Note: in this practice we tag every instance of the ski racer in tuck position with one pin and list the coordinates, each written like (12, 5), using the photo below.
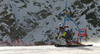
(66, 34)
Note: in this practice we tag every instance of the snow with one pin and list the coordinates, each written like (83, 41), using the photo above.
(49, 49)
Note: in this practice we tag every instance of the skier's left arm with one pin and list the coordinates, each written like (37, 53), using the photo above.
(57, 35)
(66, 32)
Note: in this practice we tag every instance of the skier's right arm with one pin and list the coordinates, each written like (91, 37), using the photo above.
(57, 35)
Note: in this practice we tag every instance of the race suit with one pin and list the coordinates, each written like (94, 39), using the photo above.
(65, 34)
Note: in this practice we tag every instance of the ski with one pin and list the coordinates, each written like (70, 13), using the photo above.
(72, 45)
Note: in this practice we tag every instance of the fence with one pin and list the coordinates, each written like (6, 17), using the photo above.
(15, 43)
(20, 43)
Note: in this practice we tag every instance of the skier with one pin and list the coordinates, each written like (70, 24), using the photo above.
(65, 33)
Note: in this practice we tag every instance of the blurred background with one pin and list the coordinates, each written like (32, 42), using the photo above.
(36, 21)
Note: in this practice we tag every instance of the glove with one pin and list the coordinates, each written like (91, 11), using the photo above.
(56, 38)
(62, 36)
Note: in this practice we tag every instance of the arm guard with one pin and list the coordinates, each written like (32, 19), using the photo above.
(64, 34)
(58, 34)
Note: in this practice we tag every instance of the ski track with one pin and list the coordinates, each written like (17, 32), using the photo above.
(49, 49)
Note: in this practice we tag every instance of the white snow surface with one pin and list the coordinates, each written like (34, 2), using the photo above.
(39, 32)
(49, 49)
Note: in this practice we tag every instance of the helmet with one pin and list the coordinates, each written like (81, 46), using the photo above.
(67, 26)
(60, 25)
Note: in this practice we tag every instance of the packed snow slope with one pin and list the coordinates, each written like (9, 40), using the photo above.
(50, 49)
(36, 20)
